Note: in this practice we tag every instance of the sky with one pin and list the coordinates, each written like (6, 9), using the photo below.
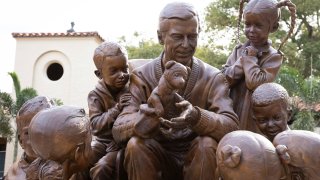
(110, 18)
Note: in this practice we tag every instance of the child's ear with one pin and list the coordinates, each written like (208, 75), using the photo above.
(20, 141)
(275, 27)
(290, 116)
(79, 156)
(160, 37)
(98, 74)
(79, 152)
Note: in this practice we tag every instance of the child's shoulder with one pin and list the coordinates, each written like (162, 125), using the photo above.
(272, 51)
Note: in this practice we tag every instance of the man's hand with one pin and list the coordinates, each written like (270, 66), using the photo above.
(124, 100)
(188, 117)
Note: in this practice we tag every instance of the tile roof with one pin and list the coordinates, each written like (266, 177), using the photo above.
(67, 34)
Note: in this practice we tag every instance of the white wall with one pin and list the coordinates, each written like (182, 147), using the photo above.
(34, 55)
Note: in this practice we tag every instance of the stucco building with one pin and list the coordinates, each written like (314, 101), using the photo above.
(57, 65)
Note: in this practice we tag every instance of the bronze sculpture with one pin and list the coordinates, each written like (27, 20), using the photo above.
(173, 133)
(299, 151)
(162, 98)
(255, 62)
(23, 168)
(62, 134)
(244, 155)
(271, 109)
(204, 119)
(105, 103)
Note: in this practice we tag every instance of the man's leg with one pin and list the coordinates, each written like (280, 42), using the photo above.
(105, 167)
(146, 159)
(200, 161)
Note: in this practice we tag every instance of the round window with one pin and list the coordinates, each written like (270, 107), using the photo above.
(55, 71)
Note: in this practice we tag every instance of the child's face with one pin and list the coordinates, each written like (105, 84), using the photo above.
(257, 28)
(271, 119)
(114, 71)
(25, 143)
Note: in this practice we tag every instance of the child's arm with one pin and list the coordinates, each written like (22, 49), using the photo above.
(233, 68)
(101, 120)
(267, 71)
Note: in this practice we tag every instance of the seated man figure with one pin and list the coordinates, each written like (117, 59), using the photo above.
(182, 143)
(271, 109)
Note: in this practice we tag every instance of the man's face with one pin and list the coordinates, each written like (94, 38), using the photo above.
(180, 41)
(271, 119)
(115, 71)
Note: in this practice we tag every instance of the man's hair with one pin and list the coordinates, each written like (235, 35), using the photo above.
(29, 109)
(268, 93)
(107, 49)
(176, 10)
(56, 132)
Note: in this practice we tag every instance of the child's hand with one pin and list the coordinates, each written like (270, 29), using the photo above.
(124, 100)
(251, 51)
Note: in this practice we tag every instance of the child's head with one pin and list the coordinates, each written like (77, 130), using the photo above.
(271, 109)
(261, 17)
(299, 149)
(111, 60)
(244, 155)
(24, 116)
(62, 134)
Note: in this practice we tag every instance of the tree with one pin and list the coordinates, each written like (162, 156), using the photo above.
(305, 94)
(301, 65)
(303, 49)
(6, 108)
(21, 97)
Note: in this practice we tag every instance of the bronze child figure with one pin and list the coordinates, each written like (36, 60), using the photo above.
(244, 155)
(255, 62)
(299, 151)
(62, 134)
(27, 167)
(271, 109)
(105, 103)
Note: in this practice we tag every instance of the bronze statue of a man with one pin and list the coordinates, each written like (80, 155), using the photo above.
(201, 117)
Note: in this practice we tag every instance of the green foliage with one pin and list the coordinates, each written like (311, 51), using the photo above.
(57, 101)
(304, 120)
(23, 96)
(308, 93)
(302, 48)
(210, 56)
(221, 14)
(291, 80)
(147, 49)
(16, 82)
(301, 66)
(144, 49)
(6, 107)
